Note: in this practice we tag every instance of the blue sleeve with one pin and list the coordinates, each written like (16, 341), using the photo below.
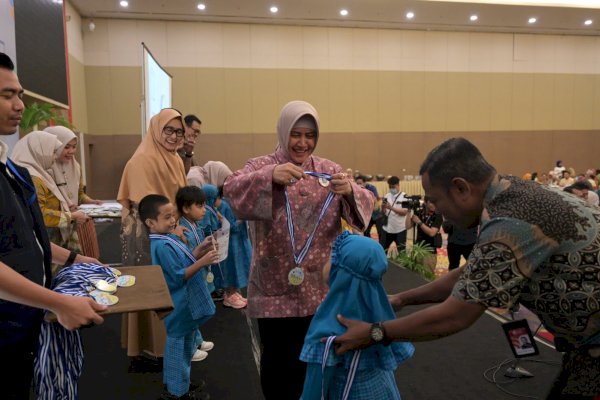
(172, 265)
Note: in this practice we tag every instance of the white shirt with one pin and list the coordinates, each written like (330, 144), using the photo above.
(592, 198)
(3, 151)
(396, 222)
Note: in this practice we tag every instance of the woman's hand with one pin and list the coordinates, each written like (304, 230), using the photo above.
(79, 217)
(287, 174)
(340, 184)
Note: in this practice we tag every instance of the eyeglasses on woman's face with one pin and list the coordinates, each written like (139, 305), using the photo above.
(169, 130)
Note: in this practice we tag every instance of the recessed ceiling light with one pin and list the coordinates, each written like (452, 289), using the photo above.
(532, 20)
(473, 17)
(343, 12)
(57, 1)
(274, 9)
(201, 6)
(410, 15)
(588, 22)
(124, 3)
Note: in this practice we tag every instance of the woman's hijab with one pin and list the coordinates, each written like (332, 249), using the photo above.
(66, 175)
(152, 168)
(290, 114)
(213, 172)
(36, 152)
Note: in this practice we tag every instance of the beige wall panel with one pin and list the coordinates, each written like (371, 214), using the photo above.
(238, 100)
(236, 45)
(480, 51)
(340, 49)
(563, 101)
(543, 101)
(436, 98)
(436, 51)
(126, 94)
(596, 101)
(315, 50)
(99, 98)
(413, 50)
(365, 54)
(265, 104)
(341, 118)
(480, 102)
(457, 116)
(501, 102)
(316, 92)
(184, 90)
(289, 84)
(366, 101)
(338, 147)
(522, 103)
(262, 144)
(458, 52)
(412, 114)
(78, 94)
(211, 99)
(583, 104)
(366, 150)
(390, 101)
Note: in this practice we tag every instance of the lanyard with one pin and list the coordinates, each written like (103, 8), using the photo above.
(351, 372)
(288, 209)
(176, 243)
(193, 229)
(318, 175)
(29, 187)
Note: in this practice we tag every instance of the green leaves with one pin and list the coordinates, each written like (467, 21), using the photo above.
(45, 113)
(417, 258)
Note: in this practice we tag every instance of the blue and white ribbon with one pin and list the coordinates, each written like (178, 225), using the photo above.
(17, 175)
(192, 228)
(174, 242)
(319, 175)
(298, 258)
(351, 373)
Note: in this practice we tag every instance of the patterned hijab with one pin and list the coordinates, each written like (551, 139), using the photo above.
(66, 175)
(36, 152)
(152, 168)
(355, 291)
(290, 114)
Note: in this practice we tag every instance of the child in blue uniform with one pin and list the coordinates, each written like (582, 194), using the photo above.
(193, 305)
(355, 288)
(236, 267)
(209, 224)
(190, 204)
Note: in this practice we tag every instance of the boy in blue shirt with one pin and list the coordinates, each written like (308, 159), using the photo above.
(191, 206)
(192, 301)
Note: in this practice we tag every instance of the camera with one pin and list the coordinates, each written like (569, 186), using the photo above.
(412, 203)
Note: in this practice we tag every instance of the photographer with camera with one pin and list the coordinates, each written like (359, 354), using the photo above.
(393, 224)
(428, 223)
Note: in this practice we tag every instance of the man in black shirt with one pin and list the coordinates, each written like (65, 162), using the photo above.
(25, 258)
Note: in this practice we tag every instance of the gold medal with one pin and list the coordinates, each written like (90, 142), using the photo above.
(296, 276)
(115, 271)
(104, 298)
(105, 286)
(210, 277)
(126, 281)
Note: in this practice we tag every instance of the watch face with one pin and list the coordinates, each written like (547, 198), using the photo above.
(377, 333)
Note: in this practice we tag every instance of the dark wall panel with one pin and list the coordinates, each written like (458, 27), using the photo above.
(40, 39)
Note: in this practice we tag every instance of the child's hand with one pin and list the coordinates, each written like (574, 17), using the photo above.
(212, 257)
(179, 231)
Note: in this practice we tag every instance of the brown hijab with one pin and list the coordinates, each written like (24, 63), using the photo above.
(152, 169)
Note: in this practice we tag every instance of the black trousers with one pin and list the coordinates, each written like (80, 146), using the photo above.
(16, 379)
(457, 250)
(389, 238)
(281, 341)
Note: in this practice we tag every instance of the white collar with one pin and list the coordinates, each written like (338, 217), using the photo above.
(3, 151)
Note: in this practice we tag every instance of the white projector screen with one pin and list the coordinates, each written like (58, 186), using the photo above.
(157, 88)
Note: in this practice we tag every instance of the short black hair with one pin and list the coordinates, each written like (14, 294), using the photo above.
(393, 180)
(148, 207)
(6, 62)
(189, 195)
(581, 185)
(360, 177)
(456, 158)
(190, 119)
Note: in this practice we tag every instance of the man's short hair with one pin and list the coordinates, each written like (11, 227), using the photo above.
(190, 119)
(189, 195)
(393, 180)
(6, 62)
(456, 158)
(581, 185)
(149, 206)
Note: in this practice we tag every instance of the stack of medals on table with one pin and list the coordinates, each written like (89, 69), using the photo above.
(103, 291)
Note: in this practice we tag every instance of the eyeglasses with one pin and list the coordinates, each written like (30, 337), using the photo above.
(169, 130)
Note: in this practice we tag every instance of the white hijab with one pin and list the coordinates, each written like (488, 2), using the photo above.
(66, 175)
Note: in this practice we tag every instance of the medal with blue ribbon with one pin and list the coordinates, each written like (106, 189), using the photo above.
(296, 275)
(174, 242)
(323, 177)
(210, 277)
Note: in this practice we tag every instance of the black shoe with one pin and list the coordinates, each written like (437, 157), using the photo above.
(145, 365)
(188, 396)
(197, 386)
(218, 295)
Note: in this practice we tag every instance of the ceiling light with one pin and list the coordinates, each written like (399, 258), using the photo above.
(343, 12)
(532, 20)
(473, 17)
(201, 6)
(545, 3)
(92, 26)
(588, 22)
(410, 15)
(57, 1)
(274, 9)
(124, 3)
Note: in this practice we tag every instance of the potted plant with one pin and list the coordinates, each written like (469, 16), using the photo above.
(44, 114)
(417, 258)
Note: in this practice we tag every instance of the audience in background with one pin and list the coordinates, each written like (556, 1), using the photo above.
(393, 225)
(566, 180)
(192, 128)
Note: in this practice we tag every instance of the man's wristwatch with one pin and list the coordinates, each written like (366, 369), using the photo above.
(189, 155)
(377, 333)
